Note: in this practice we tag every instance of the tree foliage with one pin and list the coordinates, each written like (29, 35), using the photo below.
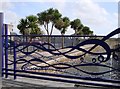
(22, 26)
(76, 24)
(49, 16)
(62, 24)
(50, 19)
(29, 25)
(85, 31)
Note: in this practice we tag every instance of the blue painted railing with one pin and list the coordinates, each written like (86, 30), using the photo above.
(77, 60)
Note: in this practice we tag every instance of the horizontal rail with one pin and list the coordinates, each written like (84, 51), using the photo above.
(65, 76)
(56, 35)
(68, 81)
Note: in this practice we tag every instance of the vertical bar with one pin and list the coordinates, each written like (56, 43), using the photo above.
(72, 40)
(6, 50)
(10, 45)
(1, 46)
(23, 41)
(48, 42)
(59, 42)
(14, 59)
(23, 36)
(27, 42)
(54, 41)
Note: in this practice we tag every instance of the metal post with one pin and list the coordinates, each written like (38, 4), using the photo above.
(6, 50)
(14, 60)
(1, 27)
(2, 50)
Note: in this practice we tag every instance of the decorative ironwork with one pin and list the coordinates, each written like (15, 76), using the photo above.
(76, 60)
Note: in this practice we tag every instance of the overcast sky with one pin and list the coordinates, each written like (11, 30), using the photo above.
(100, 15)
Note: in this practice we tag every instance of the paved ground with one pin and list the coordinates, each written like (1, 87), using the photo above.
(15, 84)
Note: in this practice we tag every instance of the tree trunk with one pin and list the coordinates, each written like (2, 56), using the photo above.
(75, 37)
(51, 29)
(46, 29)
(75, 32)
(48, 38)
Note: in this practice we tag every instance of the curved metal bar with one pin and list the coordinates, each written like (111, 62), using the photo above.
(100, 61)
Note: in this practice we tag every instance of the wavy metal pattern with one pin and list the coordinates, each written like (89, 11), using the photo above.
(33, 60)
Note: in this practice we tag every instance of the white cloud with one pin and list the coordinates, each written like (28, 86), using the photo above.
(89, 11)
(5, 5)
(10, 17)
(117, 1)
(60, 6)
(94, 16)
(105, 0)
(36, 0)
(116, 15)
(58, 0)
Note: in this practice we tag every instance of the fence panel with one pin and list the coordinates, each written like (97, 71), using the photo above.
(74, 59)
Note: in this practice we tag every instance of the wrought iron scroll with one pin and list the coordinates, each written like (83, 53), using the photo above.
(97, 60)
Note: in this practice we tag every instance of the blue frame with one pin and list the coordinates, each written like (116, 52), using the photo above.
(6, 50)
(61, 67)
(2, 50)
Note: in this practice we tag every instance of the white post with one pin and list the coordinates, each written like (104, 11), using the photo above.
(1, 28)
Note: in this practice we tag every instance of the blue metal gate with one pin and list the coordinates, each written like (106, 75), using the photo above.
(87, 60)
